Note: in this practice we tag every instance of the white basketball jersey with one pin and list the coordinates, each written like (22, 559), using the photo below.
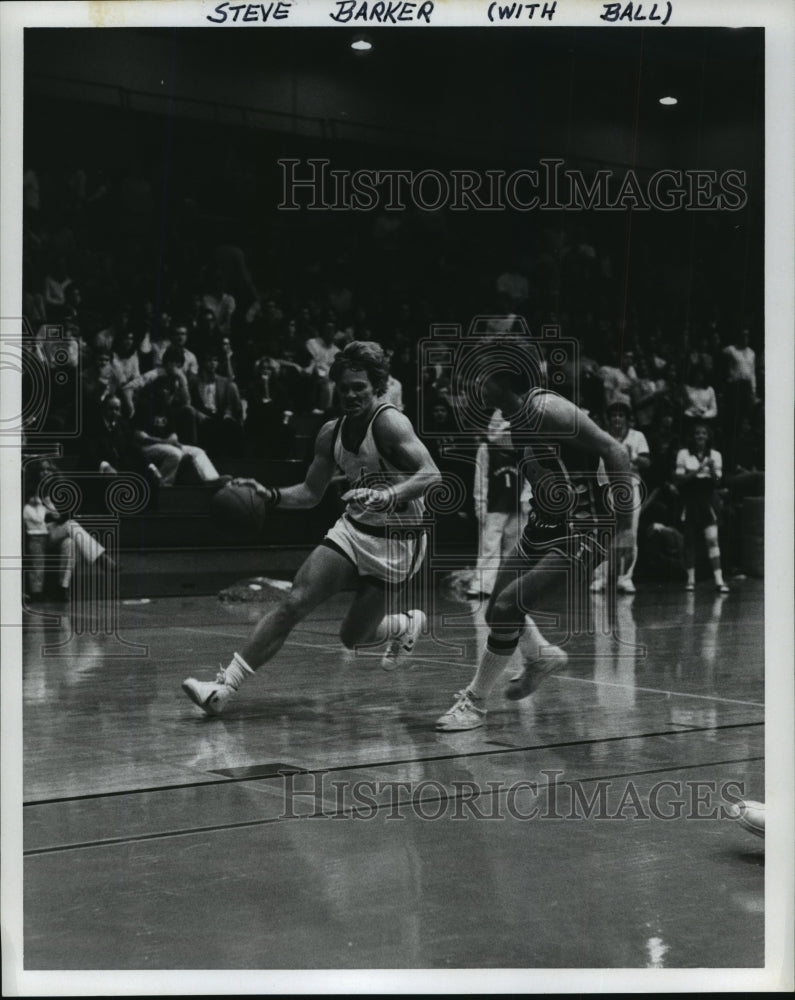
(367, 468)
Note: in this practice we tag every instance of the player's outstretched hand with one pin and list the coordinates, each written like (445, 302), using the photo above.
(371, 499)
(258, 487)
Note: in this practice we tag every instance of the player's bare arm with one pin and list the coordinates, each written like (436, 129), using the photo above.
(310, 492)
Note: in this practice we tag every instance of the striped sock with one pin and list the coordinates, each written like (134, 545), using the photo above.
(496, 657)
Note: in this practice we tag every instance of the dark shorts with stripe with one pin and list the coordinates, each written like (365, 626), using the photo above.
(577, 542)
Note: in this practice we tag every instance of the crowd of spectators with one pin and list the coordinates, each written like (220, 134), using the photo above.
(214, 368)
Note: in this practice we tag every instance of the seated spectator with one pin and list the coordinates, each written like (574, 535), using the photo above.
(615, 379)
(656, 354)
(206, 330)
(323, 350)
(269, 428)
(219, 412)
(108, 443)
(49, 531)
(293, 346)
(155, 343)
(296, 368)
(189, 364)
(156, 435)
(701, 354)
(645, 394)
(226, 358)
(99, 381)
(699, 398)
(106, 339)
(272, 319)
(672, 392)
(740, 376)
(127, 370)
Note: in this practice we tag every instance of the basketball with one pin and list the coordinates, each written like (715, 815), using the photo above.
(238, 512)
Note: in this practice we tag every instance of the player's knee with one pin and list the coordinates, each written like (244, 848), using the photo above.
(501, 613)
(294, 607)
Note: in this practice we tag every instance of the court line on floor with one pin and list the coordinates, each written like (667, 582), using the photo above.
(560, 677)
(629, 687)
(392, 763)
(678, 694)
(339, 813)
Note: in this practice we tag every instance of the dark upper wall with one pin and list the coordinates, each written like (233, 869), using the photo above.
(508, 94)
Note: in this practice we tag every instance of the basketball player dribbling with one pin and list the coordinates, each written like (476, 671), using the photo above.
(388, 470)
(559, 448)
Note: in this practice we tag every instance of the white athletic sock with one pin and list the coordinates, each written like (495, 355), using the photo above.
(236, 672)
(489, 669)
(391, 626)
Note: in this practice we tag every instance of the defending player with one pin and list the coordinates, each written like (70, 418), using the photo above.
(561, 449)
(388, 469)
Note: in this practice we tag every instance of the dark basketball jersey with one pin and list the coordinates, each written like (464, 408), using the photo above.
(503, 481)
(563, 477)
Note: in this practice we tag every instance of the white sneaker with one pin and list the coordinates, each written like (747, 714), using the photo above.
(464, 714)
(750, 815)
(210, 696)
(535, 671)
(624, 585)
(597, 586)
(403, 644)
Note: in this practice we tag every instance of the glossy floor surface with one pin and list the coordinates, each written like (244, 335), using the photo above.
(324, 823)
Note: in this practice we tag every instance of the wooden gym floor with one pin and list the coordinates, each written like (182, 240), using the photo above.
(324, 824)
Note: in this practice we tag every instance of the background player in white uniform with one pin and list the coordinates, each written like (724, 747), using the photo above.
(618, 414)
(377, 544)
(562, 451)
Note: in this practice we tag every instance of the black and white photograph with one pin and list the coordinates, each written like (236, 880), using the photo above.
(397, 497)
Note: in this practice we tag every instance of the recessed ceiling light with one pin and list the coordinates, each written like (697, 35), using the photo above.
(361, 44)
(668, 101)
